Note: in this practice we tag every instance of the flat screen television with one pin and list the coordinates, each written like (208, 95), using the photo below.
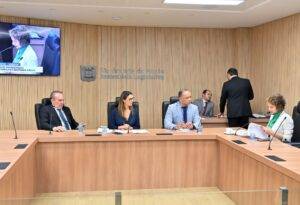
(29, 50)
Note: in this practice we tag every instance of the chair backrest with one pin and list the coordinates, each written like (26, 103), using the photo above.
(46, 101)
(37, 108)
(296, 119)
(164, 107)
(173, 99)
(112, 105)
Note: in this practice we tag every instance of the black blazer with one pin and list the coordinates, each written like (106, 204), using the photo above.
(47, 112)
(237, 92)
(117, 120)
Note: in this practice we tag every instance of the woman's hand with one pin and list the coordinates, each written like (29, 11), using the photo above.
(267, 130)
(124, 127)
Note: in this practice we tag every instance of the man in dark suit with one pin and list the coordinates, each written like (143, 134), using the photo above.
(56, 116)
(237, 92)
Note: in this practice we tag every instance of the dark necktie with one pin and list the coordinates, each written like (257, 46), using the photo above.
(184, 109)
(204, 109)
(62, 116)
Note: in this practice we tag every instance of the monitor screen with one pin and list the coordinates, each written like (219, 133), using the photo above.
(29, 50)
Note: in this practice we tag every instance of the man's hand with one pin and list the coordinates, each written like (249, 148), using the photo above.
(180, 126)
(220, 115)
(189, 125)
(59, 129)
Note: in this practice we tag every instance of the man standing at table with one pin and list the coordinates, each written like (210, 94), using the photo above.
(182, 114)
(236, 92)
(56, 116)
(205, 105)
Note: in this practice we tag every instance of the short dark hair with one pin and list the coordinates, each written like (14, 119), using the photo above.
(278, 101)
(181, 92)
(205, 91)
(232, 71)
(55, 92)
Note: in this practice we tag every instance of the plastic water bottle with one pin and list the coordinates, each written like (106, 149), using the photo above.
(81, 128)
(104, 129)
(200, 129)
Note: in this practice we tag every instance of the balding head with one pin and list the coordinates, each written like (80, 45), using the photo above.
(185, 97)
(57, 99)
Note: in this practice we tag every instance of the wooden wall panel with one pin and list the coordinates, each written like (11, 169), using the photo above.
(275, 49)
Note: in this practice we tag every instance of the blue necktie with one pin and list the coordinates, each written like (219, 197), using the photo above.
(62, 116)
(184, 114)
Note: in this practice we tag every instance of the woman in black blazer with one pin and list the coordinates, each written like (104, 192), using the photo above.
(124, 116)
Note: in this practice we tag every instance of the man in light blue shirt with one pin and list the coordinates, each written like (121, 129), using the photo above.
(182, 114)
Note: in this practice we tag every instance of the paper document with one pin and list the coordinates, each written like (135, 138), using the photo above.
(255, 131)
(139, 131)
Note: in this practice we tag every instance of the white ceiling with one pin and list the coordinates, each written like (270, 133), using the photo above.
(151, 12)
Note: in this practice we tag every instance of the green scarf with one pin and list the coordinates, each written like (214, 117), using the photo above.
(274, 119)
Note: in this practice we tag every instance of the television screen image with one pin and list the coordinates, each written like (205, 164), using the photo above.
(29, 50)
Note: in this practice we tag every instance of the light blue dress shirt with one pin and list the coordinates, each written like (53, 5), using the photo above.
(174, 115)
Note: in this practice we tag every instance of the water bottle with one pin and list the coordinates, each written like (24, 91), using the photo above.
(104, 129)
(80, 128)
(200, 129)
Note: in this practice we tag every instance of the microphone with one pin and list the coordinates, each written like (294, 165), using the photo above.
(269, 148)
(13, 121)
(243, 126)
(8, 48)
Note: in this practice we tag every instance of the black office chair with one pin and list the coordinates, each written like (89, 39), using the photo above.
(112, 105)
(37, 108)
(164, 107)
(46, 101)
(296, 119)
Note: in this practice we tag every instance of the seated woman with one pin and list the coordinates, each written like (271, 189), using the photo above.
(279, 119)
(124, 116)
(25, 56)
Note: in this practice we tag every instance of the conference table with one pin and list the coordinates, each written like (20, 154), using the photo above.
(71, 162)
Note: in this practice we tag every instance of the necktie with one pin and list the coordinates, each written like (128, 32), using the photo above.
(184, 109)
(62, 116)
(204, 109)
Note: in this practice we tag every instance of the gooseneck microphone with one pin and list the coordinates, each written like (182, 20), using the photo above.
(13, 121)
(8, 48)
(269, 148)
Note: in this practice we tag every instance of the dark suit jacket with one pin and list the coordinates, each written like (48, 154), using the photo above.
(117, 120)
(209, 107)
(237, 92)
(47, 112)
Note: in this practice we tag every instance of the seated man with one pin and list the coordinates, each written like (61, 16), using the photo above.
(182, 114)
(57, 117)
(205, 105)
